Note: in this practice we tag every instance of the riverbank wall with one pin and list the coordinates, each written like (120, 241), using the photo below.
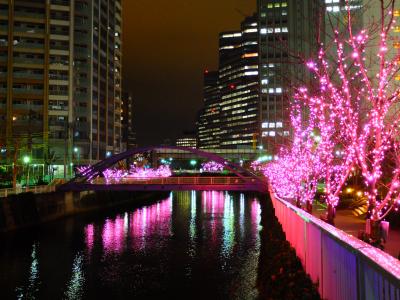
(29, 209)
(343, 267)
(280, 272)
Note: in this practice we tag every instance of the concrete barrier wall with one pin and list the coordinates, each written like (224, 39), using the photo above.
(343, 266)
(28, 209)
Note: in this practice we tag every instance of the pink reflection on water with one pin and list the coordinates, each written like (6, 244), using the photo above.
(213, 202)
(150, 221)
(89, 237)
(255, 216)
(113, 235)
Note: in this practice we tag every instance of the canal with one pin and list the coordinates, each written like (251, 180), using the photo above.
(190, 244)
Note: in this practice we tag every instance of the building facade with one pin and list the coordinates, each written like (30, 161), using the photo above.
(60, 78)
(239, 85)
(229, 118)
(288, 35)
(188, 139)
(128, 132)
(208, 123)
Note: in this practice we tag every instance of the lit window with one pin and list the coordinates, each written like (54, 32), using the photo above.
(279, 125)
(263, 30)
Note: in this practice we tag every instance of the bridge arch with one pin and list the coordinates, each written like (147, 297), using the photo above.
(97, 169)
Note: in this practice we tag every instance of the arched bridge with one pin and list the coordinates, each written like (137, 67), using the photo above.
(91, 178)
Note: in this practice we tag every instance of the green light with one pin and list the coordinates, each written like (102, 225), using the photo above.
(193, 162)
(265, 158)
(26, 159)
(76, 149)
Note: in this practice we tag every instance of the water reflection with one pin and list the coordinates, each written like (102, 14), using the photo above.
(75, 286)
(186, 242)
(31, 289)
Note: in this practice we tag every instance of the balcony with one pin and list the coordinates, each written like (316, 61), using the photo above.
(25, 91)
(28, 76)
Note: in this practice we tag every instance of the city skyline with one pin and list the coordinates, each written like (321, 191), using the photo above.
(167, 81)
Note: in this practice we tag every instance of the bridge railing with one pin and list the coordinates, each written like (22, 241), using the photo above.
(343, 266)
(177, 181)
(40, 189)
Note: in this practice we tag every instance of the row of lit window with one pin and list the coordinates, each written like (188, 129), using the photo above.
(274, 133)
(276, 5)
(272, 125)
(277, 90)
(274, 30)
(238, 100)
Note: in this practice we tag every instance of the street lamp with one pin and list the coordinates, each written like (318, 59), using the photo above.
(26, 159)
(76, 150)
(193, 162)
(108, 153)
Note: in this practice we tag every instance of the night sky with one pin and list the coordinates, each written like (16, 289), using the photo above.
(167, 46)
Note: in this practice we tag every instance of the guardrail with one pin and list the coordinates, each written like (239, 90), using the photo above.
(343, 266)
(177, 180)
(40, 189)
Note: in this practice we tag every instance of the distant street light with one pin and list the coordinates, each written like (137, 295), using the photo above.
(76, 150)
(193, 162)
(26, 159)
(108, 153)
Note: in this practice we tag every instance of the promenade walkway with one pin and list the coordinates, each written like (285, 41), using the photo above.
(346, 221)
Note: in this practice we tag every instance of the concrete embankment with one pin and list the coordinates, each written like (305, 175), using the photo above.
(28, 209)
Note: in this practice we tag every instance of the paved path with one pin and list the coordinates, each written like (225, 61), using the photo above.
(346, 221)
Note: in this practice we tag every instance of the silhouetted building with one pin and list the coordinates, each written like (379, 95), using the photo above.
(128, 132)
(208, 123)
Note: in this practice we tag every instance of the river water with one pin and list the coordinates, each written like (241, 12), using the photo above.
(190, 245)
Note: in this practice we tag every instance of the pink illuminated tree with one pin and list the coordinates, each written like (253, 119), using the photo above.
(357, 102)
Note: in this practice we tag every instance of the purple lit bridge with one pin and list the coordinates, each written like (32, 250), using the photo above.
(92, 180)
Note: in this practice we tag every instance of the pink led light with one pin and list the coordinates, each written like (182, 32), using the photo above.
(212, 166)
(354, 113)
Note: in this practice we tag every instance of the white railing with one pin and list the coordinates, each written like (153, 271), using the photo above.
(40, 189)
(343, 266)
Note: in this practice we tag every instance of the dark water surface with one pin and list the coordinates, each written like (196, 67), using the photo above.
(191, 245)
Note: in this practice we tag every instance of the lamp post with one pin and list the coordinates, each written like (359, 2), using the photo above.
(76, 150)
(193, 163)
(26, 159)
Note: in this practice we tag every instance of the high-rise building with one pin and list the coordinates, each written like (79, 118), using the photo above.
(288, 30)
(128, 132)
(60, 78)
(239, 85)
(97, 75)
(208, 123)
(229, 118)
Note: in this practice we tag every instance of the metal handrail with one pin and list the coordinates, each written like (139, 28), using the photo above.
(39, 189)
(177, 180)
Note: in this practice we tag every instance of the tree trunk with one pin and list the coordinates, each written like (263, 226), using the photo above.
(330, 216)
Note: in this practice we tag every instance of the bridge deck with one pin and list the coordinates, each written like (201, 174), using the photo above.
(171, 183)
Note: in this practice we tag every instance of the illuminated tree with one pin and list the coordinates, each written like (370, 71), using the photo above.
(353, 102)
